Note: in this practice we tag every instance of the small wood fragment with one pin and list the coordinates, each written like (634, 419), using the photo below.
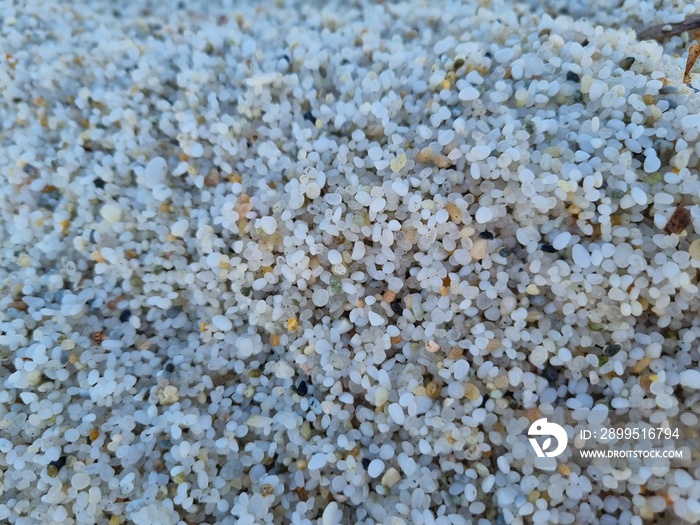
(680, 219)
(662, 32)
(693, 54)
(98, 337)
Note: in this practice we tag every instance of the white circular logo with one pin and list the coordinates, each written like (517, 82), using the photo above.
(543, 428)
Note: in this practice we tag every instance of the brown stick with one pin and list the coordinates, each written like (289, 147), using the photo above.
(663, 31)
(693, 54)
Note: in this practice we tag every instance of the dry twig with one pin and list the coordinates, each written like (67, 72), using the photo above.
(663, 31)
(693, 54)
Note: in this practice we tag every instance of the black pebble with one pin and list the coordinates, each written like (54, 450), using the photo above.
(302, 389)
(572, 77)
(550, 373)
(396, 306)
(365, 463)
(30, 170)
(505, 252)
(486, 235)
(99, 183)
(173, 312)
(59, 463)
(125, 316)
(169, 368)
(626, 63)
(484, 399)
(547, 248)
(308, 116)
(611, 350)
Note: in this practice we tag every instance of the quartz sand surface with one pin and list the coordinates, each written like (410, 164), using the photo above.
(325, 263)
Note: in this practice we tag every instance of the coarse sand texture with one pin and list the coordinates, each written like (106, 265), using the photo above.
(324, 263)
